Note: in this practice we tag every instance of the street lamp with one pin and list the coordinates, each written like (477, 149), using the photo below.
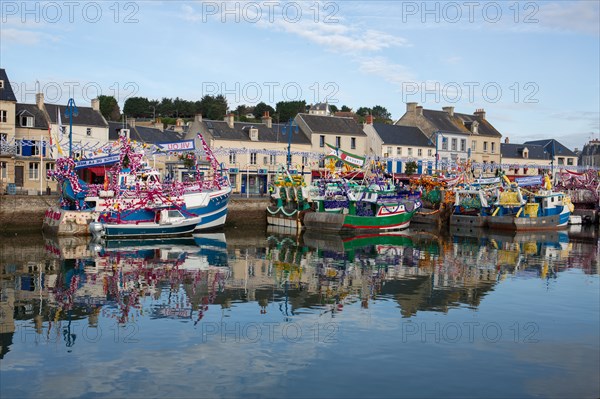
(289, 129)
(70, 112)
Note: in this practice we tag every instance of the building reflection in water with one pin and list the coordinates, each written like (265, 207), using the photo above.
(51, 283)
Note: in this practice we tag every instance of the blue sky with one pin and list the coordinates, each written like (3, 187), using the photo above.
(533, 66)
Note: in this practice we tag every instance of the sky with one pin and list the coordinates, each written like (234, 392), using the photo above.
(534, 66)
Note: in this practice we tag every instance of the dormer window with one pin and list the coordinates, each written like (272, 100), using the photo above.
(253, 134)
(26, 121)
(1, 84)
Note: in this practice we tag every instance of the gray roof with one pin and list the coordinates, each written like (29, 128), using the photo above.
(143, 134)
(459, 123)
(402, 135)
(320, 107)
(240, 132)
(39, 119)
(553, 146)
(536, 152)
(591, 148)
(6, 93)
(332, 125)
(86, 117)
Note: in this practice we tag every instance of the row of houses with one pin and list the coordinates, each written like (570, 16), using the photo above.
(253, 151)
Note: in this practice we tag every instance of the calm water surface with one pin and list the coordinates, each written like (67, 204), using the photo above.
(269, 314)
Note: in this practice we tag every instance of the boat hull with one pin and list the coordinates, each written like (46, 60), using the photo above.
(553, 222)
(211, 207)
(141, 230)
(468, 221)
(332, 222)
(279, 216)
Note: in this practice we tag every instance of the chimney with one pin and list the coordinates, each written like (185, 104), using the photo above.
(411, 107)
(419, 110)
(480, 113)
(369, 119)
(448, 110)
(229, 119)
(198, 118)
(131, 122)
(96, 104)
(506, 141)
(39, 100)
(267, 120)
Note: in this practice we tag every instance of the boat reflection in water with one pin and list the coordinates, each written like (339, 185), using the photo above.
(176, 293)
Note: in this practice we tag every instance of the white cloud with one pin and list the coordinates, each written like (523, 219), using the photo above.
(574, 16)
(393, 73)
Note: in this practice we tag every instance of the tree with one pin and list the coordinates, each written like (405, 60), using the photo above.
(109, 108)
(346, 109)
(411, 167)
(381, 113)
(137, 107)
(364, 111)
(333, 108)
(213, 108)
(289, 109)
(261, 108)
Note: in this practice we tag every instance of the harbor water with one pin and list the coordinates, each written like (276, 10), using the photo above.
(270, 313)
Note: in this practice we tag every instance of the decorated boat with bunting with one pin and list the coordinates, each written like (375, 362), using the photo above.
(372, 203)
(542, 210)
(133, 195)
(289, 200)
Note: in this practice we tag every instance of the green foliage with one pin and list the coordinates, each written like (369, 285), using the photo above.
(137, 107)
(109, 108)
(411, 168)
(346, 109)
(333, 108)
(289, 109)
(214, 108)
(261, 108)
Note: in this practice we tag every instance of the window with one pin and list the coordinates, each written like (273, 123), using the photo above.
(444, 143)
(35, 147)
(410, 153)
(232, 157)
(493, 147)
(3, 115)
(1, 84)
(485, 143)
(26, 121)
(389, 152)
(321, 163)
(474, 145)
(321, 141)
(272, 159)
(399, 151)
(304, 161)
(420, 152)
(265, 160)
(88, 131)
(569, 161)
(429, 152)
(34, 170)
(463, 145)
(338, 141)
(3, 170)
(353, 143)
(49, 167)
(561, 161)
(18, 145)
(454, 144)
(252, 158)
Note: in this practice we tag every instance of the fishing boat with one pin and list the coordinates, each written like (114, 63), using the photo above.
(371, 202)
(133, 194)
(471, 207)
(542, 210)
(289, 200)
(166, 223)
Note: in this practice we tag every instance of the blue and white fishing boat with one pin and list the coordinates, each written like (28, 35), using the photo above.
(133, 195)
(166, 223)
(543, 210)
